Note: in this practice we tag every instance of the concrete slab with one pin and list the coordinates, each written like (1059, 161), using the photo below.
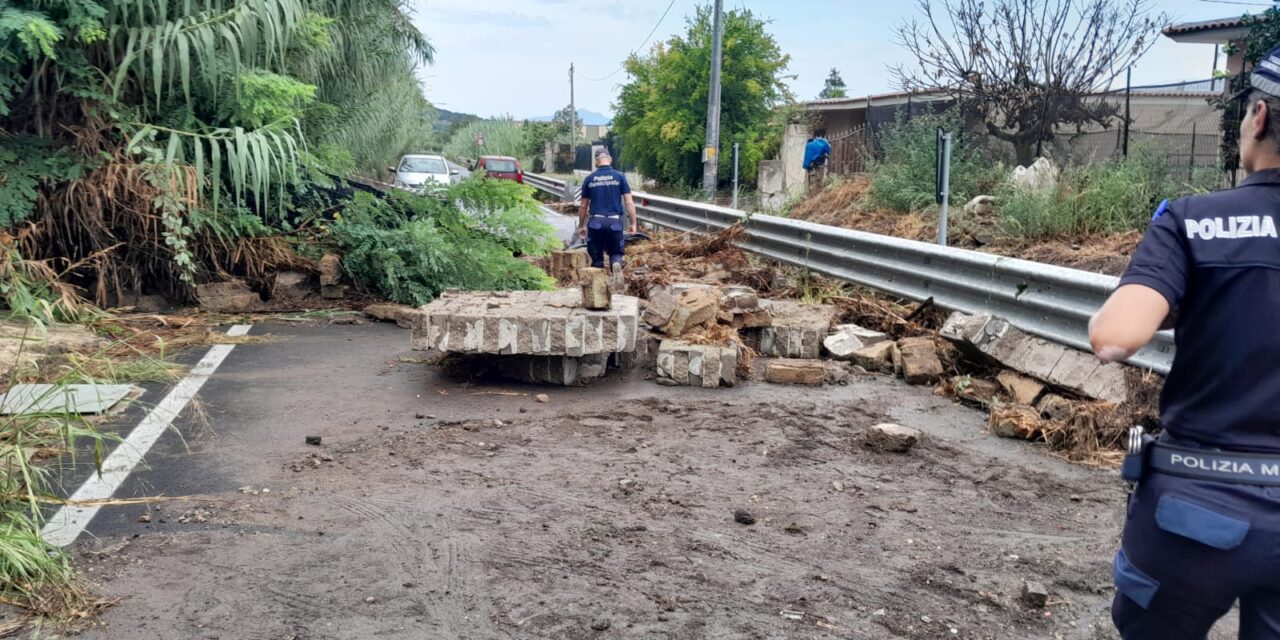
(540, 323)
(31, 399)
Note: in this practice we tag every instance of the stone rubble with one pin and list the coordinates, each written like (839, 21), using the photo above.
(796, 330)
(847, 339)
(892, 438)
(919, 360)
(331, 279)
(1061, 366)
(796, 371)
(595, 289)
(697, 365)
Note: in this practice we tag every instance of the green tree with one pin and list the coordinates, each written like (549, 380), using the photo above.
(834, 86)
(1264, 35)
(661, 112)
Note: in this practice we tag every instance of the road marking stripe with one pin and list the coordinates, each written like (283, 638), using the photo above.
(70, 521)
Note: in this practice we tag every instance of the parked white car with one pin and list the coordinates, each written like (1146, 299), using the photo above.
(418, 171)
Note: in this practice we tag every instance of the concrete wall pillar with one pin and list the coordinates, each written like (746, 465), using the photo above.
(794, 182)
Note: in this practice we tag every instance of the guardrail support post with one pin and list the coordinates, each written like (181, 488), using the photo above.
(945, 191)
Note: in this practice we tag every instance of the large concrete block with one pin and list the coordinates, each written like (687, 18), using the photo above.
(544, 323)
(698, 365)
(1059, 365)
(595, 289)
(796, 330)
(558, 370)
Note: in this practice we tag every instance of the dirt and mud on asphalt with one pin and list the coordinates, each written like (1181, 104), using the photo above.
(440, 509)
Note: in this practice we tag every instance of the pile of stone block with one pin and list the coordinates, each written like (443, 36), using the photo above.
(697, 365)
(537, 336)
(795, 329)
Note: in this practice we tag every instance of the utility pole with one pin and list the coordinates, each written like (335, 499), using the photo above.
(710, 155)
(573, 124)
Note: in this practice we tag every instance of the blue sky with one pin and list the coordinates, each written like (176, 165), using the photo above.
(512, 57)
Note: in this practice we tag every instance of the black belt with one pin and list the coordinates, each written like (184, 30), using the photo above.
(1222, 466)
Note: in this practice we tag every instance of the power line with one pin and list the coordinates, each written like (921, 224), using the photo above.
(633, 51)
(1243, 4)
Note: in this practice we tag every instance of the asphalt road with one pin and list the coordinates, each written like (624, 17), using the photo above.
(566, 225)
(404, 522)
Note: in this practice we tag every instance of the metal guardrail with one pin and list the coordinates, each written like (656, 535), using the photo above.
(1052, 302)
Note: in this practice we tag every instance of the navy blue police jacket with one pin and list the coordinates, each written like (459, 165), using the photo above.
(1216, 259)
(605, 187)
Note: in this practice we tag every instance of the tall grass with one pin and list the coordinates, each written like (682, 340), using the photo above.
(501, 138)
(1110, 197)
(904, 179)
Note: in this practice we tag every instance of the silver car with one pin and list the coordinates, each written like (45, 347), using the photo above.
(417, 171)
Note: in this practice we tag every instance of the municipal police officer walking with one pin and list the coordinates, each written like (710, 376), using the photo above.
(1203, 527)
(605, 197)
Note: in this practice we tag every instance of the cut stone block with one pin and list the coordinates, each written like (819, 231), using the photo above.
(1015, 421)
(331, 286)
(920, 363)
(567, 266)
(977, 391)
(796, 329)
(1055, 364)
(232, 296)
(695, 308)
(542, 323)
(659, 307)
(847, 339)
(400, 314)
(893, 438)
(559, 370)
(1055, 407)
(739, 297)
(292, 285)
(877, 357)
(747, 318)
(697, 365)
(1021, 389)
(595, 289)
(796, 371)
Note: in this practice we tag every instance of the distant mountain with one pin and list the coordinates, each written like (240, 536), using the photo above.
(588, 117)
(446, 119)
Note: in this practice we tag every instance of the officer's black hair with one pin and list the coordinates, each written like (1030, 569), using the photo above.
(1272, 130)
(820, 133)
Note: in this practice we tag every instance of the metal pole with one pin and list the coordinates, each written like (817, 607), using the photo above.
(735, 177)
(1128, 80)
(1213, 84)
(573, 124)
(946, 189)
(1191, 162)
(710, 159)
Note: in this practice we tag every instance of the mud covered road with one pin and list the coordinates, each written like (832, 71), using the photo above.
(440, 509)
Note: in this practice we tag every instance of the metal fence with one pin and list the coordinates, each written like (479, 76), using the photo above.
(1052, 302)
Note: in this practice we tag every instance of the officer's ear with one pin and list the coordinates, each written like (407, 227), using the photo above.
(1261, 114)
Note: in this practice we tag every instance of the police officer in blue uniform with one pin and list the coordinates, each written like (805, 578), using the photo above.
(606, 195)
(1203, 526)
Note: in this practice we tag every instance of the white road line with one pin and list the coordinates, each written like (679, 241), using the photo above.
(67, 524)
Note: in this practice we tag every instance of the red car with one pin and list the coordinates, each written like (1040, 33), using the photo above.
(501, 167)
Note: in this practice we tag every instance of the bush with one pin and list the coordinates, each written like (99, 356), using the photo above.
(1110, 197)
(904, 179)
(410, 248)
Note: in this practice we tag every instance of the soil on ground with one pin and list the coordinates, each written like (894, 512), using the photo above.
(845, 204)
(439, 509)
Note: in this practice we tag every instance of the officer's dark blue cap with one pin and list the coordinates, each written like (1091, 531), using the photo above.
(1265, 76)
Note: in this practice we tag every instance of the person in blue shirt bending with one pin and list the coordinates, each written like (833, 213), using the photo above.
(816, 153)
(606, 195)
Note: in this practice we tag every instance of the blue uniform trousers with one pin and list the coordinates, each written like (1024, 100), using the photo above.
(1191, 548)
(605, 235)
